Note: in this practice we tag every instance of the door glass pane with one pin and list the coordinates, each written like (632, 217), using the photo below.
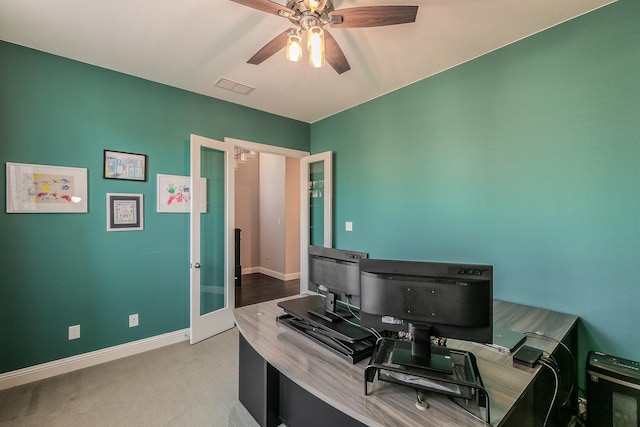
(212, 227)
(316, 203)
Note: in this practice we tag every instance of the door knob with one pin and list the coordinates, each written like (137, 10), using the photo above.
(197, 265)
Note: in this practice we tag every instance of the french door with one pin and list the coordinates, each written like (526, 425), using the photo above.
(212, 238)
(316, 208)
(212, 225)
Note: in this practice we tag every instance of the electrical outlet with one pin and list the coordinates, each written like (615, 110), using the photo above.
(133, 320)
(74, 332)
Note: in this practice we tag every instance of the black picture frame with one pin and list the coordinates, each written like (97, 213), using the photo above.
(125, 212)
(124, 166)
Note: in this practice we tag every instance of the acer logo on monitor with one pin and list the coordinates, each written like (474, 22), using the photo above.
(472, 271)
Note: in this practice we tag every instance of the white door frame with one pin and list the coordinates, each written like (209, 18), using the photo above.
(264, 148)
(305, 160)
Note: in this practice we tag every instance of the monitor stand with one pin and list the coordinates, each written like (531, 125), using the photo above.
(464, 384)
(332, 311)
(439, 359)
(419, 353)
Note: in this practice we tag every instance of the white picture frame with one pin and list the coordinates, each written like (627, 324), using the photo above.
(174, 194)
(46, 189)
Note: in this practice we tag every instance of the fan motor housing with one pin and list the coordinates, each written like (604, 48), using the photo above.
(301, 10)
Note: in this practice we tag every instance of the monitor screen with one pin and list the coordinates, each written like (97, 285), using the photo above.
(335, 273)
(427, 299)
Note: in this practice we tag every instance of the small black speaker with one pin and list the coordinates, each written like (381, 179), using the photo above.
(613, 391)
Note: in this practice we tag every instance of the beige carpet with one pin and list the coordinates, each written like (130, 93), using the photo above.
(178, 385)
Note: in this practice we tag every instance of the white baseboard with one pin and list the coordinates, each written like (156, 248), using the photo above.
(271, 273)
(291, 276)
(278, 275)
(250, 270)
(69, 364)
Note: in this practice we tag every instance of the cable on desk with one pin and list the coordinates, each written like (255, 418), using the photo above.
(372, 331)
(551, 360)
(377, 334)
(545, 363)
(573, 360)
(350, 308)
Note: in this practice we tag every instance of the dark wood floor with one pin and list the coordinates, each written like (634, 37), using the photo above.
(259, 287)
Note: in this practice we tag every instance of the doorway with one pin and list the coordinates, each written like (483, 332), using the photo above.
(267, 214)
(267, 197)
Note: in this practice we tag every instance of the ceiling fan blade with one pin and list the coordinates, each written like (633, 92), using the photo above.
(334, 55)
(270, 48)
(372, 16)
(267, 6)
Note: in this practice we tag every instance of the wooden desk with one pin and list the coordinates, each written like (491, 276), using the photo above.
(284, 372)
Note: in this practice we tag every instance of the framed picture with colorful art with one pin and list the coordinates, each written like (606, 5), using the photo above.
(127, 166)
(174, 194)
(46, 189)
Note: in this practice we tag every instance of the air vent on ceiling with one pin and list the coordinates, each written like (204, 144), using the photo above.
(233, 86)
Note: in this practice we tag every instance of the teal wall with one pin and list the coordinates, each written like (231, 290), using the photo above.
(526, 158)
(59, 270)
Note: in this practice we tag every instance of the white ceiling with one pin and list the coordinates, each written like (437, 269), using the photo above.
(190, 44)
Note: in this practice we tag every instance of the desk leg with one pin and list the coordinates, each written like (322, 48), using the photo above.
(258, 384)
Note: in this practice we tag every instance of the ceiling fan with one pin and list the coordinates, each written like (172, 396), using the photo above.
(310, 16)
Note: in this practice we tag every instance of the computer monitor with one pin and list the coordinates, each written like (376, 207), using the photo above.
(427, 299)
(335, 273)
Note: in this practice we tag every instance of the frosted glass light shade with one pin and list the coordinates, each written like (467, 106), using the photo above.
(315, 45)
(294, 48)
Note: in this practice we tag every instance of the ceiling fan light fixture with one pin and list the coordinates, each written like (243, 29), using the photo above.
(309, 16)
(315, 45)
(294, 47)
(315, 4)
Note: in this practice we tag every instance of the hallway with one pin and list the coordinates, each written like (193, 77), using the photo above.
(258, 287)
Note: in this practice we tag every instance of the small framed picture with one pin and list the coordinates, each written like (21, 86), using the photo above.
(46, 189)
(125, 212)
(174, 194)
(127, 166)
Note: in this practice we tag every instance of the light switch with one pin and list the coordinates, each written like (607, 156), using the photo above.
(348, 226)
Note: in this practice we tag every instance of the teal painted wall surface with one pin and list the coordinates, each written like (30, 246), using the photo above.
(526, 158)
(59, 270)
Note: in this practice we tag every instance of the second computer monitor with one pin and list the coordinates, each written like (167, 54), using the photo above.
(335, 273)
